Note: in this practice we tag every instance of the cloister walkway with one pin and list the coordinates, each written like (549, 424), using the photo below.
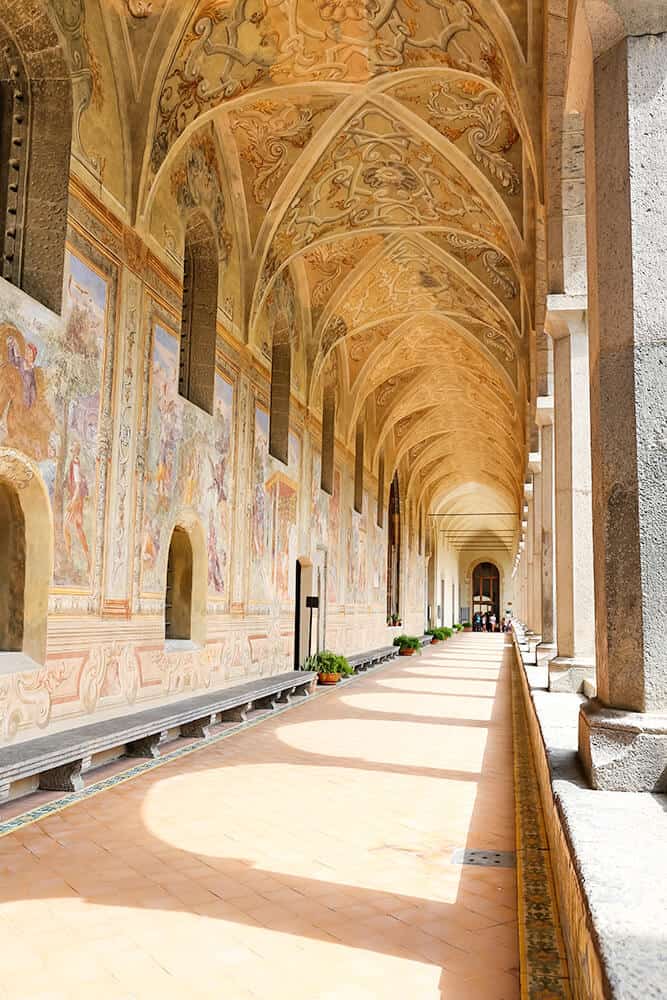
(308, 857)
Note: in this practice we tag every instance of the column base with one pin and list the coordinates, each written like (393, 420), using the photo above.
(568, 674)
(622, 751)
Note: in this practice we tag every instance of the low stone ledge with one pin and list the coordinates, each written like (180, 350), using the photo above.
(608, 857)
(623, 751)
(569, 674)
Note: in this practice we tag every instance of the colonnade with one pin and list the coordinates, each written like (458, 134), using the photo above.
(598, 484)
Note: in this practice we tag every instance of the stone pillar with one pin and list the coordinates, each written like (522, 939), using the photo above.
(574, 662)
(523, 561)
(544, 416)
(528, 557)
(535, 579)
(623, 735)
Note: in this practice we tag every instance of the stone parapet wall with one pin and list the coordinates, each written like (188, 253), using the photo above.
(607, 856)
(587, 979)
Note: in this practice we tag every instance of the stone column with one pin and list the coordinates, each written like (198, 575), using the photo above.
(529, 558)
(574, 662)
(535, 530)
(523, 560)
(623, 735)
(544, 416)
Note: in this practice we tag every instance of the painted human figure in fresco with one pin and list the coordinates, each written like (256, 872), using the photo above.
(25, 366)
(214, 568)
(26, 417)
(77, 491)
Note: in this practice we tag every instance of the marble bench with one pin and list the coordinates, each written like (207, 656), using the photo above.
(362, 661)
(60, 758)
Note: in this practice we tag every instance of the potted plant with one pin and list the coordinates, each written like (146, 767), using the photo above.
(328, 666)
(407, 644)
(441, 633)
(467, 626)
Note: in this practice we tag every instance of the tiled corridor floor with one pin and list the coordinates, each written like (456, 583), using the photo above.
(305, 858)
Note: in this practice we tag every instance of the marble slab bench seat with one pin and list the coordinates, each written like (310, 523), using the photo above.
(362, 661)
(60, 758)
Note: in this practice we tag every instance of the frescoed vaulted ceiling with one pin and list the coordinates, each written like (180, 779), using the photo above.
(374, 168)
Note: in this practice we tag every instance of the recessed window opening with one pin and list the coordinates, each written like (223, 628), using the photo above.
(196, 373)
(281, 382)
(34, 156)
(393, 549)
(328, 439)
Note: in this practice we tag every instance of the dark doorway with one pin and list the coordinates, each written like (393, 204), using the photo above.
(178, 595)
(12, 570)
(486, 590)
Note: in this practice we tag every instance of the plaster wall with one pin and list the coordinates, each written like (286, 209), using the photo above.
(89, 408)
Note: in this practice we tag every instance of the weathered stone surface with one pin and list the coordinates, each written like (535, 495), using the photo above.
(623, 751)
(570, 673)
(612, 844)
(627, 192)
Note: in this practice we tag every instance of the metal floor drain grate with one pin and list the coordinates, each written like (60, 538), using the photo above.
(484, 859)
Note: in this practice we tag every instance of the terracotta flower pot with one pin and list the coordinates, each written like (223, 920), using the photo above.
(328, 678)
(434, 641)
(405, 652)
(468, 629)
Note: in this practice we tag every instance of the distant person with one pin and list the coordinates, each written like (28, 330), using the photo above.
(492, 622)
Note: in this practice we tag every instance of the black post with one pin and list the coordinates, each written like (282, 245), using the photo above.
(311, 602)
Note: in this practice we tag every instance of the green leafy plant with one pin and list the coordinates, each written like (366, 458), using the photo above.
(458, 627)
(326, 662)
(408, 642)
(466, 624)
(440, 633)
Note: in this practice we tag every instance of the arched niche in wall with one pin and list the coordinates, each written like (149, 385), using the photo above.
(26, 557)
(35, 142)
(186, 578)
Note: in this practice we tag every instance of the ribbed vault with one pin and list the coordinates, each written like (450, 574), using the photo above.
(371, 165)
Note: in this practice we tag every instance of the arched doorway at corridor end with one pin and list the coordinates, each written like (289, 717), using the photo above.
(486, 590)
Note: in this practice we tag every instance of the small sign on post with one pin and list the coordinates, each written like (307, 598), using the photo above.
(312, 601)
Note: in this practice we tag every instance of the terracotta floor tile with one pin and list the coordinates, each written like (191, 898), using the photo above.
(309, 857)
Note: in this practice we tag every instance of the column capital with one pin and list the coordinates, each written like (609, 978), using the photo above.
(534, 463)
(544, 411)
(565, 314)
(610, 21)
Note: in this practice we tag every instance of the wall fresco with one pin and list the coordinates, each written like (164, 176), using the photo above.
(51, 373)
(188, 465)
(273, 519)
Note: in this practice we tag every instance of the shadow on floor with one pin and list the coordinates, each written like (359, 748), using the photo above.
(467, 939)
